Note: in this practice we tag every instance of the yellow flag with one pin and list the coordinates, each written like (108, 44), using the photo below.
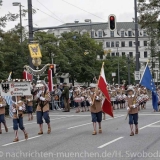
(35, 51)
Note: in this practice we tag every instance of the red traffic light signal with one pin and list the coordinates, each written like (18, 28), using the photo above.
(112, 22)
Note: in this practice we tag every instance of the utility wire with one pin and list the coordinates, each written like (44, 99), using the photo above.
(50, 11)
(48, 15)
(83, 10)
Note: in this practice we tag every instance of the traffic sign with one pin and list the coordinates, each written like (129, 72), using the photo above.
(137, 75)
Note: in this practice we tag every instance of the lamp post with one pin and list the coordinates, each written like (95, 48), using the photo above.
(117, 45)
(20, 15)
(129, 78)
(136, 38)
(89, 20)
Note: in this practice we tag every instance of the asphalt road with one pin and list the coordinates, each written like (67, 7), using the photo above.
(71, 138)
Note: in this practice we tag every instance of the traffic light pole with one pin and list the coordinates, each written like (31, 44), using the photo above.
(136, 39)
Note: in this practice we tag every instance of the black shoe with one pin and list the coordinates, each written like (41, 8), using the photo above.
(65, 111)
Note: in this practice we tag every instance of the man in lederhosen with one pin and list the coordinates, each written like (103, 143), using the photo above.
(43, 98)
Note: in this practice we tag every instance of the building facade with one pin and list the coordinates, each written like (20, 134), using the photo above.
(119, 42)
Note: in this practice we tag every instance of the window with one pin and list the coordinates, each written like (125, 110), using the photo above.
(84, 32)
(130, 43)
(100, 34)
(112, 33)
(112, 44)
(123, 53)
(144, 33)
(117, 43)
(145, 54)
(117, 54)
(123, 44)
(92, 34)
(107, 44)
(130, 33)
(113, 54)
(130, 54)
(145, 43)
(122, 33)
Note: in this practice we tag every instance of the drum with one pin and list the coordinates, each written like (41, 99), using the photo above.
(79, 99)
(139, 99)
(145, 98)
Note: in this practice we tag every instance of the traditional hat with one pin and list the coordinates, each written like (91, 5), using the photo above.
(39, 84)
(92, 85)
(130, 88)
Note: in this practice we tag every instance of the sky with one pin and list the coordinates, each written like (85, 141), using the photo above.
(57, 12)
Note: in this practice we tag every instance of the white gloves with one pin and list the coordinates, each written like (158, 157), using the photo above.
(1, 105)
(20, 108)
(97, 97)
(42, 99)
(14, 110)
(128, 108)
(90, 103)
(39, 93)
(134, 106)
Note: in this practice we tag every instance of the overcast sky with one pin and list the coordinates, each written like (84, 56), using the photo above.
(67, 13)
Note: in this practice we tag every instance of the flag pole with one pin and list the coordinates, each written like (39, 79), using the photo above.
(144, 71)
(98, 82)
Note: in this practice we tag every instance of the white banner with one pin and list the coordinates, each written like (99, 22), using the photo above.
(15, 89)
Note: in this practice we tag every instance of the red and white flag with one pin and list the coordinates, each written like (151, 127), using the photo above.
(27, 76)
(102, 84)
(50, 82)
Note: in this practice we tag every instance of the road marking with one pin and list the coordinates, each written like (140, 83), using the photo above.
(21, 141)
(154, 126)
(148, 125)
(106, 144)
(36, 122)
(91, 122)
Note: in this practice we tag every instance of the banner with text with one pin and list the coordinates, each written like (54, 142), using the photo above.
(15, 89)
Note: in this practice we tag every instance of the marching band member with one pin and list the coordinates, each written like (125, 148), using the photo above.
(2, 114)
(77, 99)
(113, 96)
(18, 108)
(29, 107)
(95, 108)
(132, 108)
(43, 98)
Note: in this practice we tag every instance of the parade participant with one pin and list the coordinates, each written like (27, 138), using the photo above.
(43, 98)
(18, 108)
(95, 108)
(29, 107)
(65, 95)
(2, 114)
(77, 98)
(119, 98)
(132, 108)
(113, 96)
(83, 93)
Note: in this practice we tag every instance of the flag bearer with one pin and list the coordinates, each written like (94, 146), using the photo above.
(18, 108)
(95, 108)
(2, 114)
(132, 108)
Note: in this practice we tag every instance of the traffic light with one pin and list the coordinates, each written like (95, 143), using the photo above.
(52, 68)
(56, 68)
(112, 22)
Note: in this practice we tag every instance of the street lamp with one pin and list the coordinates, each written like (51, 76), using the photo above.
(129, 78)
(89, 20)
(20, 12)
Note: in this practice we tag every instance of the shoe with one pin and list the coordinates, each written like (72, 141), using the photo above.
(41, 132)
(136, 132)
(26, 136)
(94, 133)
(82, 111)
(65, 111)
(6, 129)
(0, 132)
(16, 140)
(77, 111)
(100, 130)
(49, 130)
(132, 134)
